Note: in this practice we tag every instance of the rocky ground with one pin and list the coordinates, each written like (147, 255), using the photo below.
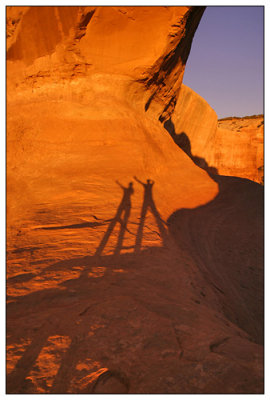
(130, 269)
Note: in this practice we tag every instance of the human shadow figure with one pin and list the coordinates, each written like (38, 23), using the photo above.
(148, 203)
(124, 208)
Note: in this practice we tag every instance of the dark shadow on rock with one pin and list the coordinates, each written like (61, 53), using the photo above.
(74, 226)
(158, 78)
(182, 141)
(149, 204)
(226, 239)
(111, 382)
(121, 217)
(81, 297)
(20, 278)
(51, 301)
(16, 381)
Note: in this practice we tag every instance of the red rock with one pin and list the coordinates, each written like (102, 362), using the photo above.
(88, 91)
(232, 146)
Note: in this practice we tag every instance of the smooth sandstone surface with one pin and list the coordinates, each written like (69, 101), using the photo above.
(243, 140)
(232, 146)
(116, 284)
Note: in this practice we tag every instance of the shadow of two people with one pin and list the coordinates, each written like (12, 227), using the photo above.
(123, 213)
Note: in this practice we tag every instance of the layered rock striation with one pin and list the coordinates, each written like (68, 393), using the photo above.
(124, 271)
(232, 146)
(240, 144)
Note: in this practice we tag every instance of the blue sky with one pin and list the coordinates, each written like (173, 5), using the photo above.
(225, 65)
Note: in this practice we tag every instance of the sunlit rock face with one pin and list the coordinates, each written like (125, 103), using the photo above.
(109, 289)
(239, 147)
(233, 146)
(193, 126)
(69, 42)
(77, 94)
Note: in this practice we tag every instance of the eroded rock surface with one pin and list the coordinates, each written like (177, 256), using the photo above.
(240, 144)
(231, 146)
(108, 288)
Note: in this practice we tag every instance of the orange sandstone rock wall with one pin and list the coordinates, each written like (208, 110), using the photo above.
(87, 90)
(67, 42)
(232, 146)
(78, 81)
(239, 144)
(194, 123)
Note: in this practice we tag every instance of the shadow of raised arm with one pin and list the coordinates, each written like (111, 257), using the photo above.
(138, 180)
(118, 183)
